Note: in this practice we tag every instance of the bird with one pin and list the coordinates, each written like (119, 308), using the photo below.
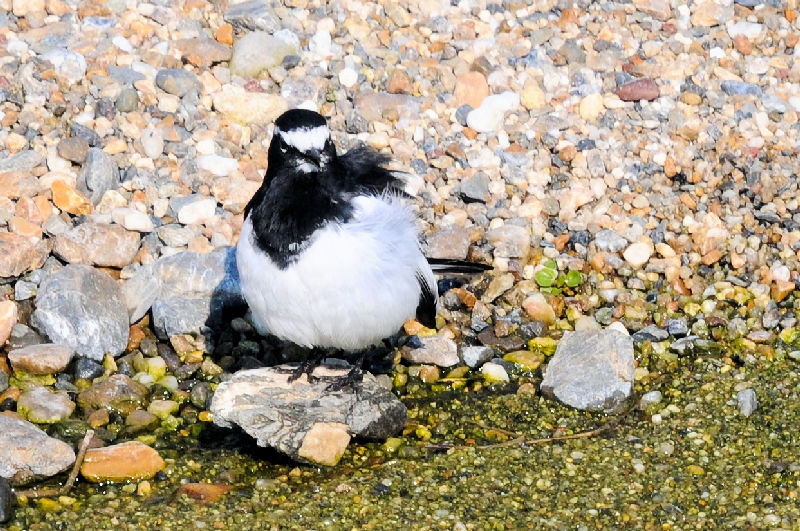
(329, 254)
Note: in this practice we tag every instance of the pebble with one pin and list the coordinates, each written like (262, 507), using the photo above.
(132, 220)
(494, 373)
(100, 244)
(491, 113)
(641, 89)
(176, 81)
(41, 359)
(152, 142)
(437, 350)
(638, 253)
(69, 66)
(127, 100)
(243, 107)
(69, 199)
(476, 356)
(747, 402)
(82, 308)
(98, 174)
(23, 161)
(29, 454)
(73, 148)
(119, 463)
(20, 254)
(591, 370)
(217, 165)
(471, 89)
(509, 241)
(43, 406)
(538, 309)
(195, 209)
(117, 393)
(8, 318)
(258, 51)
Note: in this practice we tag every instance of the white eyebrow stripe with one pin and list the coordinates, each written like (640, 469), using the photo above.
(306, 138)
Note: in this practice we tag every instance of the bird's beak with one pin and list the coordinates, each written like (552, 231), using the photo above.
(316, 157)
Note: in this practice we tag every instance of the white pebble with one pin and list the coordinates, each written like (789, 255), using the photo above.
(494, 372)
(348, 77)
(217, 165)
(198, 211)
(152, 143)
(489, 116)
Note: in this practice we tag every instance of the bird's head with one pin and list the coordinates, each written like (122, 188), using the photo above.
(301, 141)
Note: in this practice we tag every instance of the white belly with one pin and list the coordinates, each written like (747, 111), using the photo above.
(353, 285)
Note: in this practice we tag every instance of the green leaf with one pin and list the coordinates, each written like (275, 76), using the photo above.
(574, 278)
(545, 277)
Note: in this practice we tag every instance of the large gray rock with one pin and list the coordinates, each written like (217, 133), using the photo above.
(306, 421)
(591, 369)
(29, 453)
(98, 174)
(82, 307)
(187, 291)
(252, 15)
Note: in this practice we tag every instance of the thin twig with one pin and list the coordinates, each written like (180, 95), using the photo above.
(522, 440)
(73, 475)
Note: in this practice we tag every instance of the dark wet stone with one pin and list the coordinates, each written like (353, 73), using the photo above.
(677, 327)
(7, 500)
(200, 394)
(3, 381)
(87, 369)
(650, 333)
(119, 392)
(591, 369)
(82, 307)
(307, 421)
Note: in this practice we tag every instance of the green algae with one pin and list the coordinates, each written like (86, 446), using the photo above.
(691, 461)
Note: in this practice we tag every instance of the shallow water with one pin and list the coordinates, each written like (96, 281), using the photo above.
(702, 465)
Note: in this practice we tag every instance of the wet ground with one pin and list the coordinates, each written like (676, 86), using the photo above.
(690, 461)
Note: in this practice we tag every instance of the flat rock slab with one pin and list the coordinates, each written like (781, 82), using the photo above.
(303, 420)
(41, 359)
(591, 369)
(29, 454)
(82, 307)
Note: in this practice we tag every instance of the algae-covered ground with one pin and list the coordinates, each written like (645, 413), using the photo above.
(691, 461)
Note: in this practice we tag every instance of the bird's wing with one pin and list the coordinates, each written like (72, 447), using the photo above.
(364, 171)
(428, 295)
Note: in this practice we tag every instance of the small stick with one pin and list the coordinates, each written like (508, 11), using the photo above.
(520, 440)
(73, 475)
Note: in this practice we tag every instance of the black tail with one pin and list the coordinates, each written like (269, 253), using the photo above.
(450, 266)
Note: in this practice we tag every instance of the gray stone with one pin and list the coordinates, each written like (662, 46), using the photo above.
(476, 188)
(89, 136)
(29, 453)
(677, 327)
(441, 351)
(43, 406)
(127, 100)
(509, 241)
(307, 421)
(176, 81)
(476, 356)
(98, 174)
(650, 333)
(140, 292)
(23, 161)
(740, 88)
(82, 307)
(182, 315)
(196, 275)
(253, 15)
(3, 381)
(747, 402)
(591, 369)
(609, 241)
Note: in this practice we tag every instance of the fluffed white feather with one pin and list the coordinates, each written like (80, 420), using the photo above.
(305, 139)
(353, 284)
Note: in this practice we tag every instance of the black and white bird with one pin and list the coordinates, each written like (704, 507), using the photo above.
(329, 255)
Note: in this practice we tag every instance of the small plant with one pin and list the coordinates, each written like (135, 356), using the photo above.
(551, 281)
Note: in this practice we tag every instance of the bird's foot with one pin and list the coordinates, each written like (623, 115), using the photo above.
(352, 379)
(307, 367)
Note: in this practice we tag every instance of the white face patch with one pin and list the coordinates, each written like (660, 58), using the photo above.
(306, 139)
